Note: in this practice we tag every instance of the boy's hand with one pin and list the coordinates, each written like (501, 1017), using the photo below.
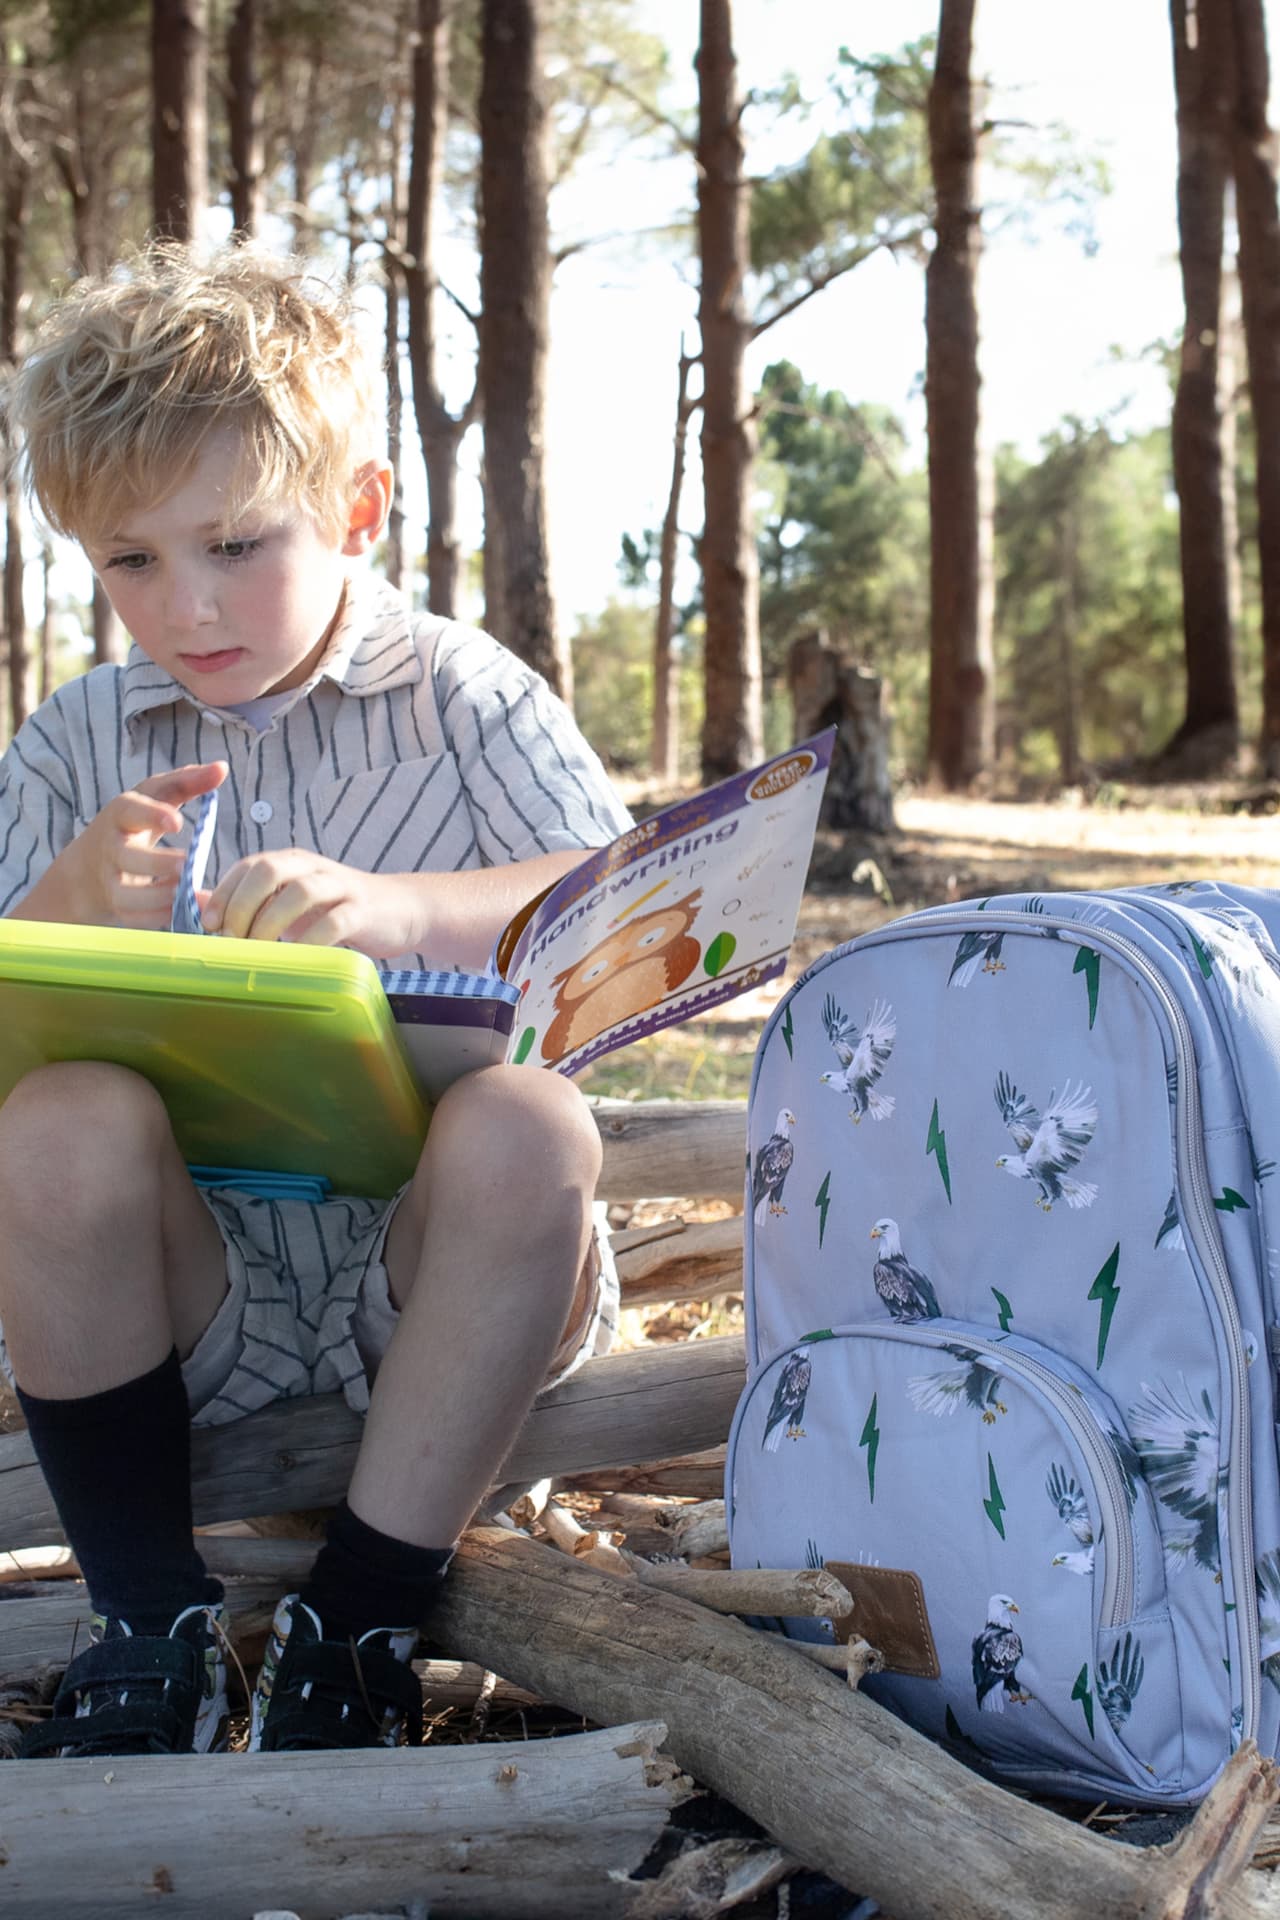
(114, 873)
(301, 896)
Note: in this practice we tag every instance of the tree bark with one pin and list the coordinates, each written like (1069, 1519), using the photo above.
(733, 725)
(179, 137)
(393, 262)
(833, 1778)
(515, 283)
(672, 1147)
(961, 671)
(1258, 220)
(439, 431)
(829, 690)
(664, 753)
(244, 121)
(1203, 68)
(529, 1829)
(17, 182)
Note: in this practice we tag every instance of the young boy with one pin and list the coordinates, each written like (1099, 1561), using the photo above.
(389, 782)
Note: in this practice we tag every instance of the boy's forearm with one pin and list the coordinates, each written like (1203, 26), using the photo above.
(462, 914)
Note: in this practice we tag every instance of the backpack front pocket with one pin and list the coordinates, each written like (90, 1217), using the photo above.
(995, 1472)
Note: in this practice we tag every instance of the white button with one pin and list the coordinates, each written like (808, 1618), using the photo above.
(261, 811)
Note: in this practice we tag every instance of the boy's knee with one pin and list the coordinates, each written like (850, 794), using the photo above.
(65, 1118)
(523, 1117)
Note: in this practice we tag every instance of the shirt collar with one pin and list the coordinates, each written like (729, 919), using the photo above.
(371, 650)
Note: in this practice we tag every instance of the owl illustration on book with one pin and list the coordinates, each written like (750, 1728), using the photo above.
(626, 973)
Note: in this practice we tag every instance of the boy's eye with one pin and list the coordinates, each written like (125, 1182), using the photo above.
(236, 549)
(129, 562)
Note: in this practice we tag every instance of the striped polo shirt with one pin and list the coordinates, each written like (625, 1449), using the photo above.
(418, 745)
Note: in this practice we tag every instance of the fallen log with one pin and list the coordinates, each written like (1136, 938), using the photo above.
(619, 1409)
(834, 1779)
(677, 1147)
(698, 1476)
(679, 1260)
(533, 1830)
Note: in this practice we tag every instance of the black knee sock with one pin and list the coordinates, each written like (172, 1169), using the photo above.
(364, 1579)
(118, 1465)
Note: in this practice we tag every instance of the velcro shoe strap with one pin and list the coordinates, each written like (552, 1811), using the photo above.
(137, 1660)
(331, 1666)
(139, 1726)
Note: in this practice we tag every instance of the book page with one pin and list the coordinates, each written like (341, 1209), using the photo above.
(691, 907)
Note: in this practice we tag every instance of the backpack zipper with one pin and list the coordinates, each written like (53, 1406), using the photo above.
(1202, 1223)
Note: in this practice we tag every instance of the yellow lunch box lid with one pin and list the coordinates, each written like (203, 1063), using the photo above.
(269, 1057)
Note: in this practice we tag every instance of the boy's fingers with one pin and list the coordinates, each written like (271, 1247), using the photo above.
(153, 863)
(184, 783)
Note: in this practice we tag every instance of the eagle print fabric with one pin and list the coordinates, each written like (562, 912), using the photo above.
(1008, 1296)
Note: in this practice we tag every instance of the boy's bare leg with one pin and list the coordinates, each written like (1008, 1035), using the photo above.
(108, 1256)
(482, 1258)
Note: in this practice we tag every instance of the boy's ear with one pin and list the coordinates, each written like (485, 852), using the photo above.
(369, 508)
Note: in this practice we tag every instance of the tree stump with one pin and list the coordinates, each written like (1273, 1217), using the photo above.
(829, 689)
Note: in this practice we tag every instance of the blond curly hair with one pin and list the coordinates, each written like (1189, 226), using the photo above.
(131, 372)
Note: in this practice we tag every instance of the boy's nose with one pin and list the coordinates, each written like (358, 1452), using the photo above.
(191, 604)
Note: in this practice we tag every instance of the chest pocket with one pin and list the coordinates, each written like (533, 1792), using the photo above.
(394, 819)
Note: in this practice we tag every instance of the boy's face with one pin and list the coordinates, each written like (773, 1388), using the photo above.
(230, 611)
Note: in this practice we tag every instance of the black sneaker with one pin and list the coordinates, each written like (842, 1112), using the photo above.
(318, 1693)
(141, 1693)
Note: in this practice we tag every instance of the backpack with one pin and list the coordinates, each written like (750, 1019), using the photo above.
(1011, 1264)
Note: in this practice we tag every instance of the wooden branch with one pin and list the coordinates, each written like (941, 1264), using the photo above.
(699, 1476)
(676, 1147)
(698, 1530)
(680, 1261)
(621, 1408)
(810, 1591)
(834, 1779)
(46, 1625)
(533, 1830)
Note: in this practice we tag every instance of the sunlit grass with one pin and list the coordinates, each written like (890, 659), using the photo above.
(703, 1060)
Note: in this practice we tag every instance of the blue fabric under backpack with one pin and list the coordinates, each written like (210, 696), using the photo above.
(1012, 1270)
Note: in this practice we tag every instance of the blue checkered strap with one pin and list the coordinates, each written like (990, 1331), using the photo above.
(186, 911)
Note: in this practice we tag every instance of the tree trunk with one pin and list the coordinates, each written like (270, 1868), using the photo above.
(665, 751)
(733, 725)
(1253, 162)
(1066, 618)
(961, 682)
(829, 690)
(392, 268)
(179, 137)
(108, 640)
(515, 280)
(45, 686)
(17, 180)
(439, 431)
(244, 120)
(835, 1779)
(1203, 64)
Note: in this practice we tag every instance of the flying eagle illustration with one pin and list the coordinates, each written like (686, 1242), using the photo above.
(1119, 1680)
(907, 1292)
(976, 950)
(1268, 1578)
(1176, 1437)
(1048, 1146)
(863, 1057)
(972, 1384)
(1073, 1512)
(786, 1410)
(996, 1653)
(773, 1164)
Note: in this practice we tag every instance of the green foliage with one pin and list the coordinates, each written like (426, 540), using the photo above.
(843, 536)
(613, 686)
(1089, 597)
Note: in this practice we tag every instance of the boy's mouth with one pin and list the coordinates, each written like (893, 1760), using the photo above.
(212, 662)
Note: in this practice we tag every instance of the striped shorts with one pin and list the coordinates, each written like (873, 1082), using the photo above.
(308, 1308)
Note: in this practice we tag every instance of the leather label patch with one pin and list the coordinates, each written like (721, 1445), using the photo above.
(889, 1611)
